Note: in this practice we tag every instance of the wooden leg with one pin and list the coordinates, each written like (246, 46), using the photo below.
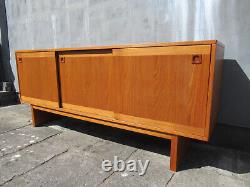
(179, 146)
(40, 117)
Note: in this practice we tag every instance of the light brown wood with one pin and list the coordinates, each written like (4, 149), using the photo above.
(217, 56)
(179, 146)
(152, 90)
(37, 77)
(134, 122)
(40, 117)
(159, 51)
(163, 44)
(105, 122)
(38, 102)
(167, 90)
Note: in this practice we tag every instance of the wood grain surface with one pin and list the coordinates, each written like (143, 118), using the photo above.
(159, 84)
(156, 87)
(38, 78)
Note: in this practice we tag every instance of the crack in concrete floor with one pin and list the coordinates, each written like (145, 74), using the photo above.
(113, 172)
(171, 181)
(35, 167)
(29, 145)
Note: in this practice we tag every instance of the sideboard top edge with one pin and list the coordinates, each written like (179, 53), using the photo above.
(162, 44)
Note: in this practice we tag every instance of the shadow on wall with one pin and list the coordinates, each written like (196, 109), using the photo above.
(6, 72)
(1, 63)
(235, 98)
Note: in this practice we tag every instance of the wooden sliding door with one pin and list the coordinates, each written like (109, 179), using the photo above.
(87, 81)
(158, 88)
(166, 87)
(38, 78)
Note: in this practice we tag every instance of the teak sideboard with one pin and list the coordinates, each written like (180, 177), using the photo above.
(167, 90)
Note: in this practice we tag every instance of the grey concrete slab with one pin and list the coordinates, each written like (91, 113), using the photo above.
(157, 174)
(77, 167)
(18, 110)
(228, 162)
(243, 165)
(13, 117)
(70, 153)
(206, 178)
(70, 169)
(239, 165)
(23, 161)
(107, 150)
(75, 140)
(207, 165)
(18, 139)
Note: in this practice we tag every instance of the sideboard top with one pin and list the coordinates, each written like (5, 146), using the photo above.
(165, 44)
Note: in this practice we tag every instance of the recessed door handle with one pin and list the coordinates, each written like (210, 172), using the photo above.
(19, 59)
(196, 59)
(62, 59)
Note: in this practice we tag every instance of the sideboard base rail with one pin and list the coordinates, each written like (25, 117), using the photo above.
(41, 115)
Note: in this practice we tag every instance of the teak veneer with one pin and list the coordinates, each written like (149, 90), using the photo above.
(167, 90)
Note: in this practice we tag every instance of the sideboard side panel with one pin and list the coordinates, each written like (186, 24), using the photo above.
(214, 91)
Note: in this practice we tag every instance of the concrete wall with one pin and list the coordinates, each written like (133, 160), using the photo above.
(71, 23)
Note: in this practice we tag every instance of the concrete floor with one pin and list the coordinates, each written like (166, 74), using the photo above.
(69, 152)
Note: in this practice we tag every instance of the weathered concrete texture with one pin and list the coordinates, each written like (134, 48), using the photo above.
(23, 161)
(81, 168)
(158, 173)
(205, 177)
(14, 117)
(226, 162)
(70, 169)
(21, 138)
(70, 152)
